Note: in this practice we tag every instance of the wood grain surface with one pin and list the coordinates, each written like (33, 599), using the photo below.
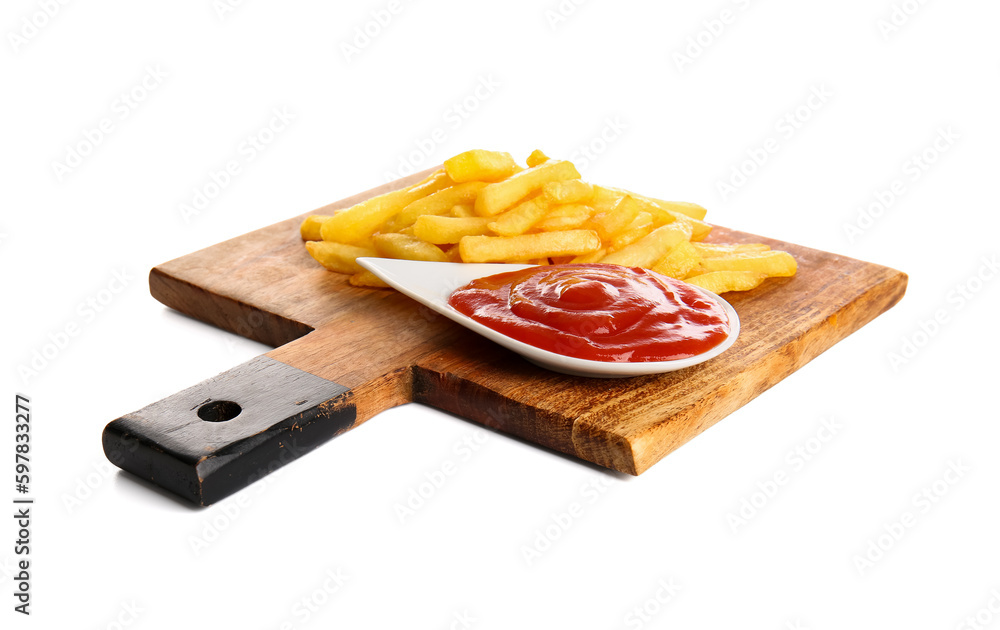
(387, 349)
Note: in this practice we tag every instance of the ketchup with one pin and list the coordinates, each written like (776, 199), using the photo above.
(597, 311)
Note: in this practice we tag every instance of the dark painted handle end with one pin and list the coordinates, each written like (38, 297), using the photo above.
(223, 434)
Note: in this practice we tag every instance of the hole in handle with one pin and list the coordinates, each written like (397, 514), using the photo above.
(219, 411)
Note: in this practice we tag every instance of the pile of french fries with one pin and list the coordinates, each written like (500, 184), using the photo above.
(483, 207)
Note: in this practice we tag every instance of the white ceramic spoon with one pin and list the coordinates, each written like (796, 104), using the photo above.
(431, 283)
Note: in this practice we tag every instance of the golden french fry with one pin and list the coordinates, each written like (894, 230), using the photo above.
(311, 226)
(772, 263)
(649, 249)
(520, 218)
(679, 262)
(699, 229)
(528, 246)
(365, 278)
(605, 198)
(724, 281)
(536, 158)
(568, 191)
(445, 230)
(353, 225)
(630, 235)
(453, 253)
(483, 207)
(496, 198)
(692, 210)
(710, 250)
(464, 210)
(612, 221)
(592, 257)
(338, 256)
(407, 247)
(640, 226)
(565, 217)
(441, 202)
(479, 165)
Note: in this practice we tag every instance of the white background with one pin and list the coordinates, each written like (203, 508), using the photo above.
(109, 551)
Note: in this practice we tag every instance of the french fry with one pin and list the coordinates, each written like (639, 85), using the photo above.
(699, 229)
(528, 246)
(408, 247)
(445, 230)
(710, 250)
(772, 263)
(650, 248)
(311, 225)
(453, 254)
(725, 281)
(568, 191)
(463, 210)
(640, 226)
(692, 210)
(605, 198)
(483, 207)
(679, 262)
(536, 158)
(365, 278)
(338, 256)
(478, 165)
(441, 202)
(354, 224)
(565, 217)
(520, 218)
(496, 198)
(592, 257)
(614, 220)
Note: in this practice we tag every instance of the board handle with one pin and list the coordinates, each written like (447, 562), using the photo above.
(221, 435)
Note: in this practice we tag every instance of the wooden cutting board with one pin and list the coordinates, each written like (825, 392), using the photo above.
(343, 354)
